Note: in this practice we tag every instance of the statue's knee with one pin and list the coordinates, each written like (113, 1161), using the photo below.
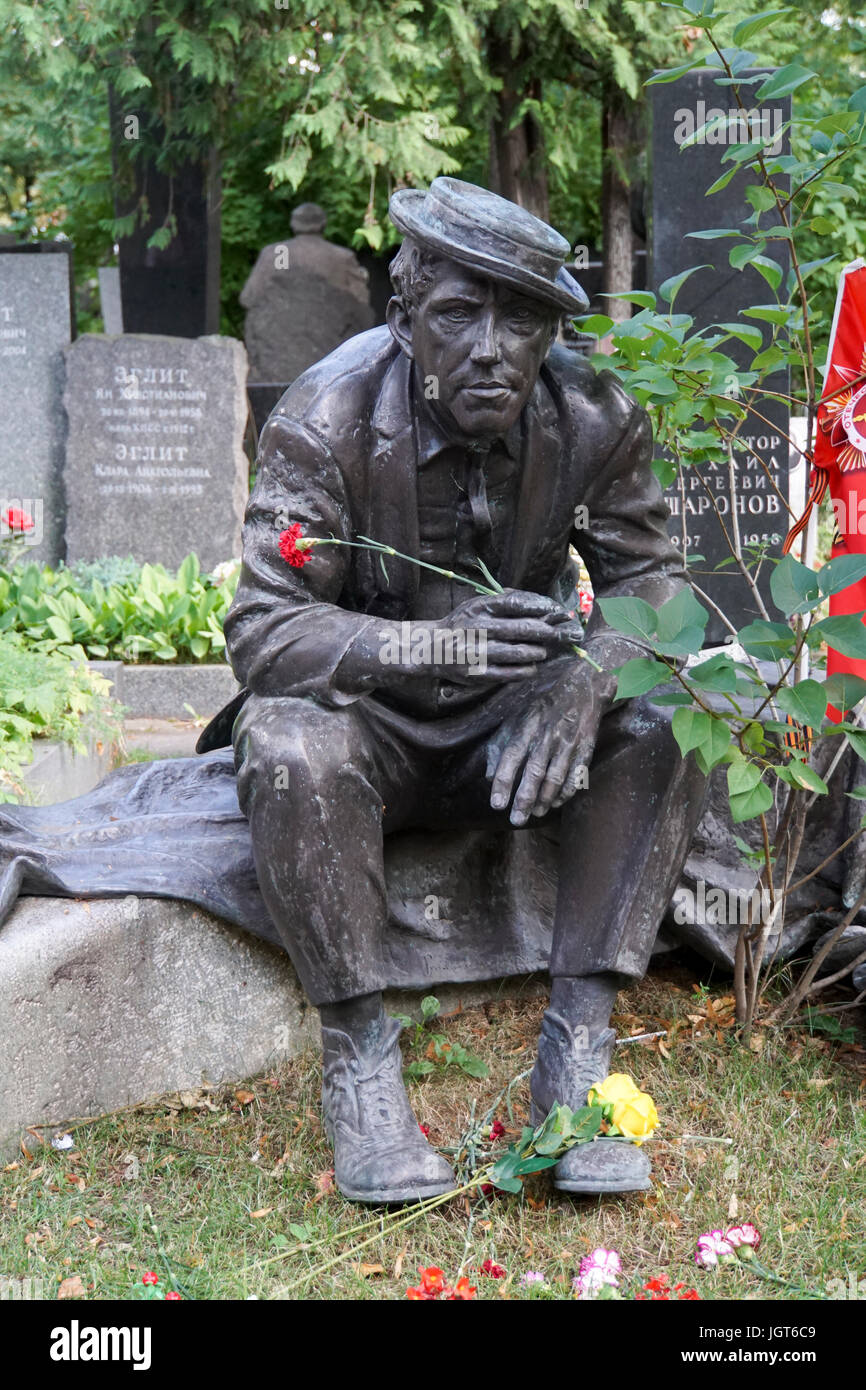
(286, 743)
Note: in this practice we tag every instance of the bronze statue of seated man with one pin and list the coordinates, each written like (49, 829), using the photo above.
(459, 433)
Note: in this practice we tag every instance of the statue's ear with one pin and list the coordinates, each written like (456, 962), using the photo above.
(400, 323)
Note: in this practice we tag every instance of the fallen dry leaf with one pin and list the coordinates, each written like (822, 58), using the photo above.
(368, 1271)
(263, 1211)
(398, 1263)
(324, 1182)
(244, 1097)
(71, 1287)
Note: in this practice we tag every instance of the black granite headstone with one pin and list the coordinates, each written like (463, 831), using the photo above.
(173, 289)
(680, 179)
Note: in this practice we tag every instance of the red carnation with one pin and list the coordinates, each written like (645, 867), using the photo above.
(293, 554)
(149, 1278)
(493, 1270)
(16, 520)
(173, 1296)
(497, 1129)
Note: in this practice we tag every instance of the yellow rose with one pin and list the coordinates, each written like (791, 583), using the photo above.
(617, 1087)
(636, 1116)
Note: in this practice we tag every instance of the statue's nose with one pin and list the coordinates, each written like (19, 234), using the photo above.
(486, 347)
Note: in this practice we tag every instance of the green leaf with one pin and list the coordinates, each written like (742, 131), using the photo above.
(681, 624)
(841, 573)
(632, 616)
(640, 675)
(472, 1065)
(721, 182)
(770, 269)
(844, 691)
(845, 634)
(766, 640)
(794, 586)
(761, 197)
(784, 81)
(742, 778)
(800, 774)
(741, 255)
(824, 226)
(691, 728)
(857, 741)
(599, 324)
(715, 747)
(670, 288)
(645, 298)
(429, 1007)
(768, 313)
(746, 30)
(718, 674)
(806, 702)
(671, 74)
(751, 336)
(60, 628)
(714, 233)
(752, 803)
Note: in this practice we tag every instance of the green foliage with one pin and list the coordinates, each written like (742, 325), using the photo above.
(439, 1052)
(43, 694)
(119, 611)
(542, 1147)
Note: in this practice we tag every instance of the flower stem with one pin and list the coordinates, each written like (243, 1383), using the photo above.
(366, 543)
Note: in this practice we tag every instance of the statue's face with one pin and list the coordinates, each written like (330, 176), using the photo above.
(478, 347)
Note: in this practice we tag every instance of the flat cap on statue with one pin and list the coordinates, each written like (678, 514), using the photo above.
(479, 229)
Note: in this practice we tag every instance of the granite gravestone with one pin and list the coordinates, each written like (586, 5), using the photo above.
(109, 298)
(303, 298)
(155, 465)
(35, 328)
(679, 182)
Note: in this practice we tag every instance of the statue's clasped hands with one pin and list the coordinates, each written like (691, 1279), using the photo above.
(540, 753)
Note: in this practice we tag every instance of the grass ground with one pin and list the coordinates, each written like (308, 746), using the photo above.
(216, 1190)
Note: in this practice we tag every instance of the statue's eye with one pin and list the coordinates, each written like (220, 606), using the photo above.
(456, 315)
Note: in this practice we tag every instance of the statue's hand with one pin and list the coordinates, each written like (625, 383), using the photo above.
(505, 637)
(521, 630)
(550, 742)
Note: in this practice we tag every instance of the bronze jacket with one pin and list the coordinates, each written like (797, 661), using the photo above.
(339, 456)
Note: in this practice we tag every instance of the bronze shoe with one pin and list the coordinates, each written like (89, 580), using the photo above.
(380, 1154)
(565, 1070)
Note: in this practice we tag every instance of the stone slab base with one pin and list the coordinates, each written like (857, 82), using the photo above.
(105, 1003)
(59, 772)
(164, 691)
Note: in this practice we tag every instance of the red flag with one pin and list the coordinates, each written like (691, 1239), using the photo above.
(840, 449)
